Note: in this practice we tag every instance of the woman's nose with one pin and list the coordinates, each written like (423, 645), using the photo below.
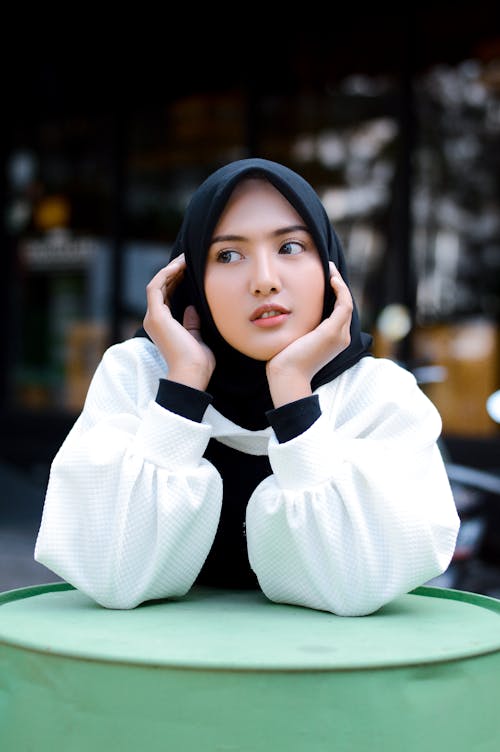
(265, 277)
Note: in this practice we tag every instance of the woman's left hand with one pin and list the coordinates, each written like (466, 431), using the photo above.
(290, 371)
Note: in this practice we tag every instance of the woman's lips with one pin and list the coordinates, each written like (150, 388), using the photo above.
(269, 315)
(272, 320)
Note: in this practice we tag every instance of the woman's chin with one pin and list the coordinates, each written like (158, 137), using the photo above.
(263, 354)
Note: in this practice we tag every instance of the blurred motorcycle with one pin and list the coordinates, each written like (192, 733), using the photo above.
(475, 566)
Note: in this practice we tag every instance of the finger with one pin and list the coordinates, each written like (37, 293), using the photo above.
(334, 272)
(173, 269)
(166, 279)
(342, 292)
(191, 322)
(341, 316)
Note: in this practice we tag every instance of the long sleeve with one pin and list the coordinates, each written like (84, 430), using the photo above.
(358, 509)
(132, 507)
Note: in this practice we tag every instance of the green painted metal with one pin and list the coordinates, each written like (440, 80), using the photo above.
(219, 670)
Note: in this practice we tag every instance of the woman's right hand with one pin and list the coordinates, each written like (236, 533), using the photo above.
(189, 360)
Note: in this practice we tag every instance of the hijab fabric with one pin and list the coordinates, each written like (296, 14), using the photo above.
(239, 384)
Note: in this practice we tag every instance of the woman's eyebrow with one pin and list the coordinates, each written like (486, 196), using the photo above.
(226, 238)
(291, 228)
(275, 233)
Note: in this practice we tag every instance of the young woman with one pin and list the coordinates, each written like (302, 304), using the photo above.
(246, 438)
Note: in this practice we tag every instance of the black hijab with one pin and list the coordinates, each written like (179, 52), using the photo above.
(239, 385)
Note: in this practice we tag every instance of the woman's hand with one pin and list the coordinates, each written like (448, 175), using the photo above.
(289, 373)
(189, 360)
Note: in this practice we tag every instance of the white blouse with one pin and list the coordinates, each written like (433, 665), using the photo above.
(357, 511)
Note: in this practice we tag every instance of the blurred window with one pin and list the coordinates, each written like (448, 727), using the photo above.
(59, 227)
(93, 208)
(456, 239)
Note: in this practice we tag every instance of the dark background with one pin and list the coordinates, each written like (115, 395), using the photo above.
(114, 67)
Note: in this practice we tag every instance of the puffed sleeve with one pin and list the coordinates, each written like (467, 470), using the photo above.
(131, 508)
(358, 509)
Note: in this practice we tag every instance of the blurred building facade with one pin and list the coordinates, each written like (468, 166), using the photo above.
(396, 123)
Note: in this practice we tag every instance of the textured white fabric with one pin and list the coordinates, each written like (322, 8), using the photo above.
(357, 511)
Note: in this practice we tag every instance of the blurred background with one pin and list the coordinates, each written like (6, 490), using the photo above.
(392, 115)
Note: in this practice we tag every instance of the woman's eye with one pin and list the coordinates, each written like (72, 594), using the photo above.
(291, 248)
(226, 257)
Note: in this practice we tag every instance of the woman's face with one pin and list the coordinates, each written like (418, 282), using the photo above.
(264, 281)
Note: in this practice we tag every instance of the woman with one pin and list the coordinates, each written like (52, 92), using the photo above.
(246, 437)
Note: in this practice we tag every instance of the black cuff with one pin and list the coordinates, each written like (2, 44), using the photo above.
(292, 419)
(183, 400)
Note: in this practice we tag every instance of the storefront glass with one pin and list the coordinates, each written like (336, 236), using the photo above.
(59, 198)
(88, 223)
(456, 240)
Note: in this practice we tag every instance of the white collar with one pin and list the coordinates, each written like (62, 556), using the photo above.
(236, 437)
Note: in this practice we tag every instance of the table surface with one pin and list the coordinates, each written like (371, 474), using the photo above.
(243, 630)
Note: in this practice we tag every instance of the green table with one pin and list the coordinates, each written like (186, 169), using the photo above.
(231, 671)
